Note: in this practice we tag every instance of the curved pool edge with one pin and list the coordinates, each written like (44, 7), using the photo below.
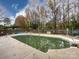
(67, 53)
(64, 37)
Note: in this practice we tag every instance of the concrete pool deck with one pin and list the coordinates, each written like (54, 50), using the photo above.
(10, 48)
(65, 37)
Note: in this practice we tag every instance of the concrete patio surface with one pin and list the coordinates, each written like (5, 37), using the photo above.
(69, 53)
(11, 48)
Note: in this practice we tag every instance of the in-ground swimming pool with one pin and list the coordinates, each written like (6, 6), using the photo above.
(43, 43)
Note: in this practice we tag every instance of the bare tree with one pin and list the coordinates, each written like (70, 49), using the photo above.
(7, 21)
(55, 7)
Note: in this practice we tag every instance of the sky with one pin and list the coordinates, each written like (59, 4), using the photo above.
(12, 6)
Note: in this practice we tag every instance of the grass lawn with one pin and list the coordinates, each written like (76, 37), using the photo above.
(43, 43)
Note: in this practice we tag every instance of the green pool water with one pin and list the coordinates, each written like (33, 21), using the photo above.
(43, 43)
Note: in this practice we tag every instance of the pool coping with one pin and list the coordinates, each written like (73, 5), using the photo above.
(64, 37)
(47, 53)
